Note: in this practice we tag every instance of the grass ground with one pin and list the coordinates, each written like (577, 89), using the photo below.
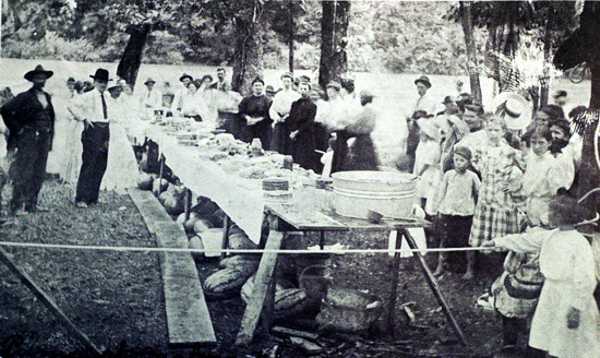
(115, 298)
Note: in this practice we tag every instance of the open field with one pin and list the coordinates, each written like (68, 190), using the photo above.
(395, 92)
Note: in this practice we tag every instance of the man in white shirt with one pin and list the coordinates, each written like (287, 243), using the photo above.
(185, 81)
(424, 102)
(151, 99)
(279, 111)
(94, 109)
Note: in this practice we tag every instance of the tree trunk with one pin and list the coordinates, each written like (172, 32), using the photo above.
(545, 85)
(248, 56)
(334, 30)
(291, 39)
(472, 65)
(132, 57)
(503, 40)
(589, 168)
(12, 7)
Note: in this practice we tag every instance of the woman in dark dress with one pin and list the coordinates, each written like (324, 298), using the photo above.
(254, 116)
(301, 123)
(361, 153)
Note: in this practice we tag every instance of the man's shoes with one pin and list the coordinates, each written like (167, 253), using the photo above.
(81, 205)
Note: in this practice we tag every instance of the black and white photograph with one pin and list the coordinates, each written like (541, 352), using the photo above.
(300, 178)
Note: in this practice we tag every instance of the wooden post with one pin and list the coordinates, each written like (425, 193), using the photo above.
(322, 240)
(187, 204)
(225, 241)
(161, 162)
(437, 292)
(394, 288)
(48, 302)
(262, 283)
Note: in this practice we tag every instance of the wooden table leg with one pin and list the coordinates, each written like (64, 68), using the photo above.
(322, 240)
(437, 292)
(262, 282)
(187, 204)
(394, 288)
(225, 241)
(161, 162)
(48, 302)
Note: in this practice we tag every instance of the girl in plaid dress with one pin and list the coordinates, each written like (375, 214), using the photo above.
(496, 212)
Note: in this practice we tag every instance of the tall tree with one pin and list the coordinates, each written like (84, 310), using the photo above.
(334, 32)
(583, 46)
(250, 26)
(291, 36)
(472, 61)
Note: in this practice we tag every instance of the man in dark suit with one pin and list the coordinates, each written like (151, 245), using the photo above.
(29, 118)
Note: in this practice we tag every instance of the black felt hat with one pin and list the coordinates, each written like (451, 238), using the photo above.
(39, 69)
(101, 75)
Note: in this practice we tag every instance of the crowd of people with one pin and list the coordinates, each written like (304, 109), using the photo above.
(496, 179)
(297, 119)
(490, 179)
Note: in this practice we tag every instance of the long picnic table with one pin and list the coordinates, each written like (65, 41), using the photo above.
(241, 199)
(243, 203)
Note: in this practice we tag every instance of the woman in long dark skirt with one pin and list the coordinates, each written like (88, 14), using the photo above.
(361, 153)
(301, 123)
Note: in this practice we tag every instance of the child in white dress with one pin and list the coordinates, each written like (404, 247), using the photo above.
(427, 164)
(566, 320)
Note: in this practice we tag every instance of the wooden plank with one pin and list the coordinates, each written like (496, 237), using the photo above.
(394, 289)
(262, 282)
(49, 303)
(188, 318)
(319, 221)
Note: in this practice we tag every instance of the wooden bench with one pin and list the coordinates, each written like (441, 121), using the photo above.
(188, 319)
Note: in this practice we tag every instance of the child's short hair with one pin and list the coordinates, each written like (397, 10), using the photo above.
(564, 126)
(542, 133)
(490, 118)
(463, 152)
(565, 210)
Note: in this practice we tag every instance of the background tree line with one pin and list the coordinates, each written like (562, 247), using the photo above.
(382, 36)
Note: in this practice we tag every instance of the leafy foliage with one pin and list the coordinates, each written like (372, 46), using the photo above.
(382, 35)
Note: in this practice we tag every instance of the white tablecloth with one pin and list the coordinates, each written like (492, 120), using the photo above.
(241, 199)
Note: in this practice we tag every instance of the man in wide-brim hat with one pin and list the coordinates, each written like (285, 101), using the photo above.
(424, 80)
(151, 99)
(177, 104)
(424, 101)
(29, 118)
(95, 110)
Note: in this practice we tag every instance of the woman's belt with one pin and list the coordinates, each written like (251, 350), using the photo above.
(100, 124)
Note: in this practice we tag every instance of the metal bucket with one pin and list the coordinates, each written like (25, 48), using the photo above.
(348, 310)
(388, 193)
